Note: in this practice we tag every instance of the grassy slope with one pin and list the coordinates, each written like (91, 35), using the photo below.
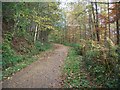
(75, 74)
(83, 69)
(26, 60)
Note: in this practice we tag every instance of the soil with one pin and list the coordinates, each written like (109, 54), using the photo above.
(46, 72)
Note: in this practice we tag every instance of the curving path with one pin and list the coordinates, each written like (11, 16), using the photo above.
(44, 73)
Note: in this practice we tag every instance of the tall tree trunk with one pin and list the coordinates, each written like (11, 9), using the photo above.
(109, 23)
(80, 32)
(38, 34)
(105, 35)
(94, 22)
(85, 31)
(85, 28)
(90, 21)
(118, 33)
(35, 34)
(97, 31)
(117, 25)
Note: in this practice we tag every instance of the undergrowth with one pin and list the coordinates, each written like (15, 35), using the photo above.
(102, 64)
(18, 52)
(75, 76)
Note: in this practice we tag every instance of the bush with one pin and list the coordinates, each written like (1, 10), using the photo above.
(8, 54)
(101, 63)
(72, 70)
(42, 46)
(16, 50)
(78, 47)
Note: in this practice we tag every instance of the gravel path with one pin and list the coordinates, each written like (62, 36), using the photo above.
(44, 73)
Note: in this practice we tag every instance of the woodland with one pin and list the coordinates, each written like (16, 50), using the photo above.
(91, 30)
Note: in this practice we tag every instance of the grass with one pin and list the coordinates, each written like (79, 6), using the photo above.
(25, 61)
(75, 76)
(12, 70)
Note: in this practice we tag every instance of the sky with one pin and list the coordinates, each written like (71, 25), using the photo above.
(89, 0)
(63, 5)
(53, 0)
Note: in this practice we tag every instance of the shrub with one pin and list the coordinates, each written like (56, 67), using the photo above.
(101, 63)
(78, 47)
(42, 46)
(9, 58)
(15, 49)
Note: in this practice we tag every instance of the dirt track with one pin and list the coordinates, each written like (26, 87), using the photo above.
(44, 73)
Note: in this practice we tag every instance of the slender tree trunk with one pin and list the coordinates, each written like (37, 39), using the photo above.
(85, 27)
(35, 34)
(105, 35)
(65, 34)
(38, 34)
(108, 22)
(117, 25)
(90, 21)
(118, 33)
(80, 33)
(94, 22)
(97, 31)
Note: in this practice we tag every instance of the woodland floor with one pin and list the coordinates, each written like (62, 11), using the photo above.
(44, 73)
